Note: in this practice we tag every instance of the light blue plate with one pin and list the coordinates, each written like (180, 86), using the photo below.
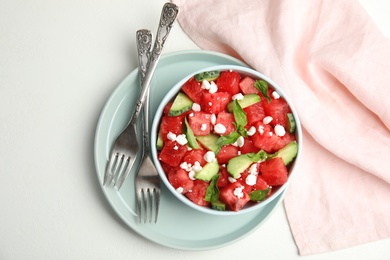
(178, 226)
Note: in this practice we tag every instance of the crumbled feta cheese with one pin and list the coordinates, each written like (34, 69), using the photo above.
(275, 95)
(197, 167)
(180, 189)
(181, 139)
(238, 192)
(209, 156)
(191, 115)
(203, 127)
(213, 87)
(279, 130)
(191, 175)
(261, 129)
(231, 179)
(171, 136)
(176, 147)
(267, 120)
(185, 166)
(220, 128)
(240, 141)
(213, 119)
(251, 131)
(196, 107)
(205, 85)
(210, 104)
(238, 96)
(270, 134)
(251, 179)
(253, 169)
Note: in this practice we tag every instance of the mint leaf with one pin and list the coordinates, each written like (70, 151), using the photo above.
(258, 195)
(262, 86)
(190, 135)
(259, 156)
(239, 114)
(212, 192)
(228, 139)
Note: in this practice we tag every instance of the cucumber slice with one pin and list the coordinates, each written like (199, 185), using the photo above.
(287, 153)
(218, 205)
(238, 164)
(192, 142)
(292, 125)
(208, 171)
(181, 104)
(209, 142)
(248, 100)
(207, 75)
(160, 142)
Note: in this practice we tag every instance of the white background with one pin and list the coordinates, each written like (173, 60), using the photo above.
(59, 62)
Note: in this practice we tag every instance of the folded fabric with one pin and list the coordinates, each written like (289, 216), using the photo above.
(334, 64)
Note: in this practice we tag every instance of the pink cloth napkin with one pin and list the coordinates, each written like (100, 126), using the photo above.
(334, 63)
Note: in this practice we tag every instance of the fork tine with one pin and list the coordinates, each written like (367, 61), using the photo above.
(119, 172)
(156, 203)
(126, 171)
(109, 174)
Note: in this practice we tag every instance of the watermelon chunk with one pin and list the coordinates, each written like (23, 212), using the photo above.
(193, 89)
(234, 202)
(172, 153)
(226, 119)
(200, 123)
(274, 172)
(229, 82)
(198, 192)
(180, 179)
(214, 103)
(247, 86)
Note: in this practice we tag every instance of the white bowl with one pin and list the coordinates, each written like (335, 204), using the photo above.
(154, 133)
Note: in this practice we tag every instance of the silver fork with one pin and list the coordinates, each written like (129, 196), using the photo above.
(147, 181)
(126, 147)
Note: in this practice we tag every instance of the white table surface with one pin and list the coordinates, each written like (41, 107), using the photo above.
(59, 62)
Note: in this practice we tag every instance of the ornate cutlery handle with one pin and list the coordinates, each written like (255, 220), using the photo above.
(168, 16)
(144, 44)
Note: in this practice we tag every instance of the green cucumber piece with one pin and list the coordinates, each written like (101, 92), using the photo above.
(192, 142)
(209, 142)
(207, 75)
(181, 104)
(287, 153)
(292, 125)
(238, 164)
(218, 205)
(247, 101)
(160, 142)
(208, 171)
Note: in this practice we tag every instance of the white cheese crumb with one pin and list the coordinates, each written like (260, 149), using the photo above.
(213, 119)
(261, 129)
(203, 127)
(195, 107)
(210, 104)
(270, 134)
(209, 156)
(219, 128)
(191, 175)
(176, 147)
(238, 96)
(181, 139)
(240, 141)
(231, 179)
(251, 131)
(251, 179)
(185, 166)
(253, 169)
(238, 192)
(171, 136)
(267, 120)
(197, 167)
(191, 115)
(180, 189)
(213, 87)
(205, 84)
(279, 130)
(275, 95)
